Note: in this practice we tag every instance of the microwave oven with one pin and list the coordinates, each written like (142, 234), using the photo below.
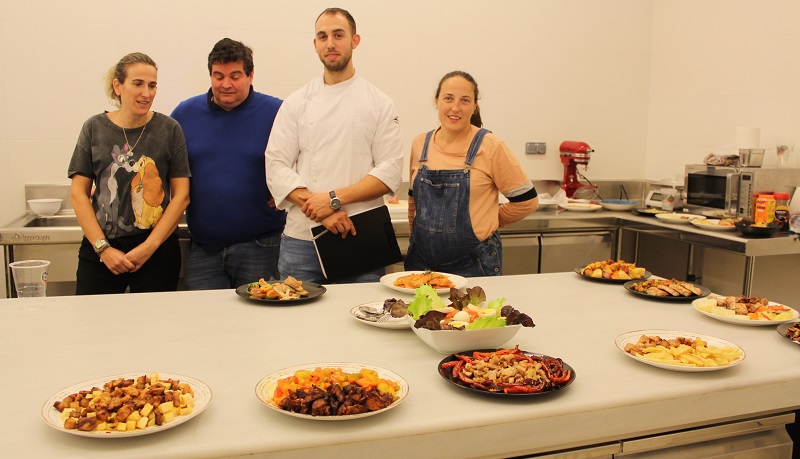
(734, 189)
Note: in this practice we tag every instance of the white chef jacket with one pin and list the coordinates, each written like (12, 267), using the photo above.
(329, 137)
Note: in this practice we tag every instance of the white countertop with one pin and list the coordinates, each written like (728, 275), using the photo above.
(231, 343)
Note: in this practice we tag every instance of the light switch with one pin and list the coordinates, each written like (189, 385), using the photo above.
(535, 148)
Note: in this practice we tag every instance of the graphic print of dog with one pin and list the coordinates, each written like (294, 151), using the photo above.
(107, 200)
(147, 193)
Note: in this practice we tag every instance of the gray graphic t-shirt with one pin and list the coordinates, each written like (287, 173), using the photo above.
(131, 182)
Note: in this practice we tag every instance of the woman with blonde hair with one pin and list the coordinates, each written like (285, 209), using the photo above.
(130, 187)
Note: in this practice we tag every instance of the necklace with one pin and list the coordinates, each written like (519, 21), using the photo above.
(137, 140)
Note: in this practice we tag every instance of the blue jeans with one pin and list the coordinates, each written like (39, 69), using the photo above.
(485, 260)
(299, 259)
(211, 267)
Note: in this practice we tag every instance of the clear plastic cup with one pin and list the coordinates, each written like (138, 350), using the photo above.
(30, 281)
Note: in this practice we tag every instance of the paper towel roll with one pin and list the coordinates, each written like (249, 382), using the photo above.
(748, 137)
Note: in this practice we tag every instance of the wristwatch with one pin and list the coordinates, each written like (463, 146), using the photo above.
(336, 204)
(100, 245)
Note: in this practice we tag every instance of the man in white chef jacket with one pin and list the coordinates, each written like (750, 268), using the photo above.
(335, 150)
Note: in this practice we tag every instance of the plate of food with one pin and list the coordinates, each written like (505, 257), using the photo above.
(610, 271)
(581, 206)
(717, 214)
(382, 314)
(790, 331)
(743, 310)
(63, 410)
(648, 211)
(667, 290)
(712, 224)
(679, 351)
(676, 217)
(365, 390)
(287, 291)
(518, 373)
(408, 281)
(619, 204)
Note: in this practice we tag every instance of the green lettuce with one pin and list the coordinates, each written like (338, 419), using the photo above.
(487, 322)
(425, 299)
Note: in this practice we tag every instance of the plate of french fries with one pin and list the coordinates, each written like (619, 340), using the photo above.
(679, 350)
(102, 417)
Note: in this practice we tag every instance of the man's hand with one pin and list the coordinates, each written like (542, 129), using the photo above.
(339, 223)
(318, 207)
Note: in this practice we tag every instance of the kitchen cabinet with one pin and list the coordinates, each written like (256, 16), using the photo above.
(564, 251)
(521, 253)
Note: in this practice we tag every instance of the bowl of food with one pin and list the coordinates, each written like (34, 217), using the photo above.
(760, 229)
(469, 322)
(44, 207)
(618, 204)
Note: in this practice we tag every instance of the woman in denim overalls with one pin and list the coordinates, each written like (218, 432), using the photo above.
(443, 237)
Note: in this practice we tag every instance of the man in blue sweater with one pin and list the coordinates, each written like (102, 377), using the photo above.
(235, 228)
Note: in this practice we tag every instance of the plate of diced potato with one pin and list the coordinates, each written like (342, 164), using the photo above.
(126, 405)
(679, 350)
(615, 272)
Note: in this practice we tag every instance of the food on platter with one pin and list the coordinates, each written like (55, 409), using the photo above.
(675, 217)
(721, 222)
(289, 289)
(467, 311)
(508, 371)
(745, 308)
(682, 351)
(610, 269)
(326, 391)
(667, 288)
(127, 404)
(434, 279)
(793, 332)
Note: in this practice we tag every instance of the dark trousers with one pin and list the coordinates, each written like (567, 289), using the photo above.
(158, 274)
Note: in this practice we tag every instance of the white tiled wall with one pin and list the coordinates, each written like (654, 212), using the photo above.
(649, 84)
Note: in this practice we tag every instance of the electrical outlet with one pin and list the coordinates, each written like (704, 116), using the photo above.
(535, 148)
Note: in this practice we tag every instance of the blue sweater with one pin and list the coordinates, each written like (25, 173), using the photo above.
(229, 191)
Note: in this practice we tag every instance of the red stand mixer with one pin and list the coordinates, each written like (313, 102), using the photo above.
(574, 153)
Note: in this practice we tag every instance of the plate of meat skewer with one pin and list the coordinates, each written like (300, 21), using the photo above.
(667, 290)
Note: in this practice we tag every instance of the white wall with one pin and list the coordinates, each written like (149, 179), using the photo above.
(649, 84)
(718, 65)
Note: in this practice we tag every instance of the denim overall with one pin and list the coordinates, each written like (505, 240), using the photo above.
(442, 238)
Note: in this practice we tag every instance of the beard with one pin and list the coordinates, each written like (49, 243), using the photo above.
(337, 66)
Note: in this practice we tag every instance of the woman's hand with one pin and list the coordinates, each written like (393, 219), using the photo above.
(116, 261)
(139, 255)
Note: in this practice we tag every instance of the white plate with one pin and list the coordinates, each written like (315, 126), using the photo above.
(581, 207)
(395, 323)
(744, 320)
(633, 337)
(673, 217)
(717, 214)
(388, 280)
(202, 397)
(265, 388)
(619, 204)
(711, 225)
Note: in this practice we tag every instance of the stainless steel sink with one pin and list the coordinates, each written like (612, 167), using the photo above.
(53, 222)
